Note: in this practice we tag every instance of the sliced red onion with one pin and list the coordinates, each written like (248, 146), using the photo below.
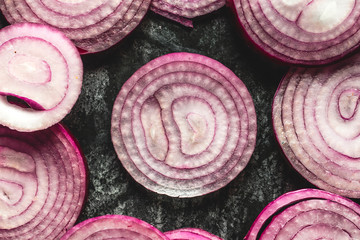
(184, 125)
(42, 183)
(191, 234)
(307, 32)
(42, 67)
(307, 214)
(92, 27)
(114, 227)
(317, 123)
(183, 11)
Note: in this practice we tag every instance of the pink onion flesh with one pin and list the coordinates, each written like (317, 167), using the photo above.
(316, 121)
(183, 11)
(114, 227)
(92, 27)
(42, 183)
(306, 32)
(41, 67)
(191, 234)
(184, 125)
(308, 214)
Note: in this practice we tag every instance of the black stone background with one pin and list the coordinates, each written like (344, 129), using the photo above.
(228, 212)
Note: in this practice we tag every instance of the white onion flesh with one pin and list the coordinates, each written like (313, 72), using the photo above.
(42, 67)
(42, 183)
(308, 214)
(316, 121)
(93, 27)
(114, 227)
(301, 32)
(191, 234)
(184, 125)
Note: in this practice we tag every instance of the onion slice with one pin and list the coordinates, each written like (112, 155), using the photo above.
(317, 124)
(184, 125)
(306, 32)
(191, 234)
(307, 214)
(183, 11)
(92, 27)
(42, 183)
(41, 67)
(114, 227)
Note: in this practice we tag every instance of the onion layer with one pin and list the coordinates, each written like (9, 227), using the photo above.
(303, 31)
(92, 27)
(41, 67)
(316, 121)
(184, 125)
(182, 11)
(308, 214)
(42, 183)
(191, 234)
(114, 227)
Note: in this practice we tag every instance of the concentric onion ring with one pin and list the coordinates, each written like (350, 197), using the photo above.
(92, 27)
(184, 125)
(42, 67)
(316, 121)
(191, 234)
(183, 11)
(114, 227)
(42, 183)
(308, 214)
(306, 32)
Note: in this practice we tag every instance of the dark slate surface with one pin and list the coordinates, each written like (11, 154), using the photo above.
(228, 212)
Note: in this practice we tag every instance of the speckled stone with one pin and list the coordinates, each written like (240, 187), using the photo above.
(228, 212)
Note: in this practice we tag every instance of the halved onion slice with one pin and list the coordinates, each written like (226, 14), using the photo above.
(41, 67)
(42, 183)
(114, 227)
(317, 123)
(93, 27)
(306, 32)
(307, 214)
(183, 11)
(191, 234)
(184, 125)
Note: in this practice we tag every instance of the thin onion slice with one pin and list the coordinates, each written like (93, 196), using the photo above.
(93, 27)
(191, 234)
(317, 123)
(307, 214)
(183, 11)
(42, 183)
(41, 67)
(305, 32)
(114, 227)
(184, 125)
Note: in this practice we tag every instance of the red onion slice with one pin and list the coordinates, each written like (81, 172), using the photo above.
(42, 67)
(316, 122)
(191, 234)
(42, 183)
(92, 27)
(114, 227)
(303, 31)
(183, 11)
(307, 214)
(184, 125)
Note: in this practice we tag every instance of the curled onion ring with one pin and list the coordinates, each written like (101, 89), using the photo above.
(42, 183)
(316, 122)
(307, 214)
(191, 234)
(184, 125)
(306, 32)
(92, 27)
(114, 227)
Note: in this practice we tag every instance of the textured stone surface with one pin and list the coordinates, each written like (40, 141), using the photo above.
(228, 212)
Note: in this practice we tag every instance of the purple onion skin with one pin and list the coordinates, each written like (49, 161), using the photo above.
(292, 198)
(191, 234)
